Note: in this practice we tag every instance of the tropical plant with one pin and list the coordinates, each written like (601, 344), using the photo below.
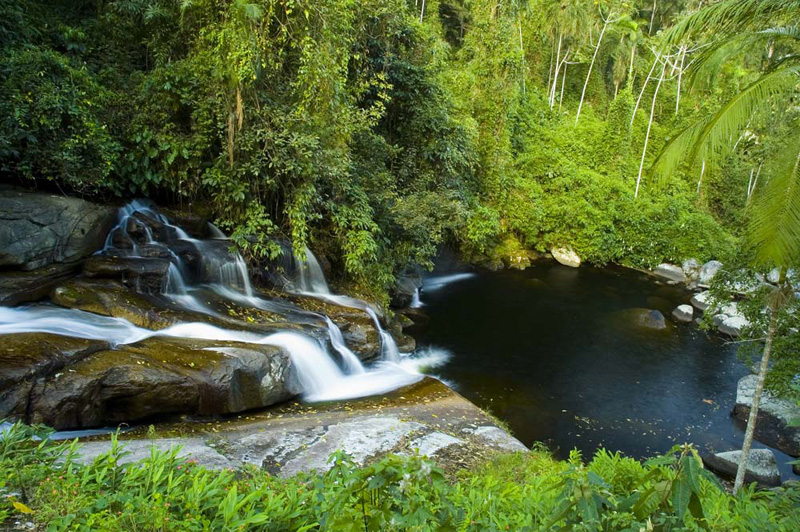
(732, 28)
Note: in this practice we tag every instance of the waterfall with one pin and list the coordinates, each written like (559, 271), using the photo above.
(322, 379)
(310, 277)
(416, 302)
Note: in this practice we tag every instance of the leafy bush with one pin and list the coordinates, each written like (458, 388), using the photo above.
(519, 491)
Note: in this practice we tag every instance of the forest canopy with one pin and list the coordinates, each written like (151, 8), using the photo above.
(376, 131)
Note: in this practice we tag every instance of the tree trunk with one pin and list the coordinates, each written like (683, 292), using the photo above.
(555, 74)
(422, 12)
(522, 50)
(591, 65)
(641, 93)
(762, 374)
(649, 125)
(563, 82)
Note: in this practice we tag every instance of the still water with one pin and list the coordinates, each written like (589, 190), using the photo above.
(556, 353)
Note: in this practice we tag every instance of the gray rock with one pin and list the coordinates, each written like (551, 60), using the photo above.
(708, 271)
(566, 256)
(651, 319)
(145, 274)
(774, 276)
(732, 325)
(430, 444)
(774, 415)
(701, 301)
(683, 313)
(39, 229)
(762, 466)
(497, 437)
(691, 269)
(670, 272)
(195, 449)
(17, 287)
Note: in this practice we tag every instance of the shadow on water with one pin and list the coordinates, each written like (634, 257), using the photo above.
(557, 353)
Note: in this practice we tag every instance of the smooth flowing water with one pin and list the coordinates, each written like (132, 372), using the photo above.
(555, 352)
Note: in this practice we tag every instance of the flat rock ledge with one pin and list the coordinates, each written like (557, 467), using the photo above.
(762, 466)
(426, 418)
(774, 415)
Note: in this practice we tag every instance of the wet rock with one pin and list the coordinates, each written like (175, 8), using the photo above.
(195, 449)
(434, 442)
(163, 376)
(708, 271)
(774, 416)
(17, 287)
(683, 313)
(137, 273)
(670, 272)
(762, 466)
(406, 286)
(194, 222)
(39, 229)
(27, 356)
(701, 301)
(566, 256)
(651, 319)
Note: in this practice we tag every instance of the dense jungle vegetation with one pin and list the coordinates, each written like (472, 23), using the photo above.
(376, 130)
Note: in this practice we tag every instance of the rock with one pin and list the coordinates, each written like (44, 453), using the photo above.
(701, 301)
(762, 466)
(651, 319)
(774, 276)
(683, 313)
(143, 274)
(732, 325)
(163, 376)
(405, 289)
(497, 437)
(27, 356)
(691, 269)
(434, 442)
(670, 272)
(566, 256)
(774, 415)
(38, 229)
(194, 449)
(708, 271)
(17, 287)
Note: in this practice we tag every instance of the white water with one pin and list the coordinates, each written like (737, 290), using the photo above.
(437, 283)
(416, 302)
(318, 373)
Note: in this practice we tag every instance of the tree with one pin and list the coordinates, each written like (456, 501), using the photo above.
(773, 233)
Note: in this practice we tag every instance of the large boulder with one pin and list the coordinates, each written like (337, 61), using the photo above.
(143, 274)
(762, 466)
(649, 319)
(26, 356)
(566, 256)
(17, 287)
(691, 269)
(38, 229)
(701, 301)
(670, 272)
(774, 416)
(406, 289)
(732, 325)
(708, 271)
(163, 376)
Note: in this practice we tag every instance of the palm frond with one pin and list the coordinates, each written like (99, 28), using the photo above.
(730, 17)
(774, 228)
(716, 135)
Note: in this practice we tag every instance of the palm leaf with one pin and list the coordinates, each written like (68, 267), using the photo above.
(774, 228)
(714, 136)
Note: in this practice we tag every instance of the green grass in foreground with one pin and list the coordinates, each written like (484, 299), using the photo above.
(41, 482)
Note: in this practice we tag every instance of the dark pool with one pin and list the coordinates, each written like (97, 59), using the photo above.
(556, 353)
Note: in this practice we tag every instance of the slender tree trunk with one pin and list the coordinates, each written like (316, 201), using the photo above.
(555, 74)
(563, 82)
(762, 374)
(652, 18)
(550, 70)
(591, 65)
(649, 125)
(422, 12)
(641, 93)
(680, 79)
(700, 181)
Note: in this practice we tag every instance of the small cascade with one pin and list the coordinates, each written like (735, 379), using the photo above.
(351, 361)
(389, 350)
(216, 232)
(416, 302)
(310, 278)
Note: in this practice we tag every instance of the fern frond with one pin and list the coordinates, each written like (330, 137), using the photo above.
(774, 228)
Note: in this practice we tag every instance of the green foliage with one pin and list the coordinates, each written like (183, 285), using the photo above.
(518, 491)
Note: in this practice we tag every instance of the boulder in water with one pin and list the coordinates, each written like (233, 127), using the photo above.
(774, 416)
(732, 325)
(691, 269)
(651, 319)
(39, 229)
(566, 256)
(670, 272)
(683, 313)
(701, 301)
(762, 466)
(17, 287)
(708, 271)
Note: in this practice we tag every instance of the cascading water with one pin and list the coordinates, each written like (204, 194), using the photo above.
(227, 275)
(310, 278)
